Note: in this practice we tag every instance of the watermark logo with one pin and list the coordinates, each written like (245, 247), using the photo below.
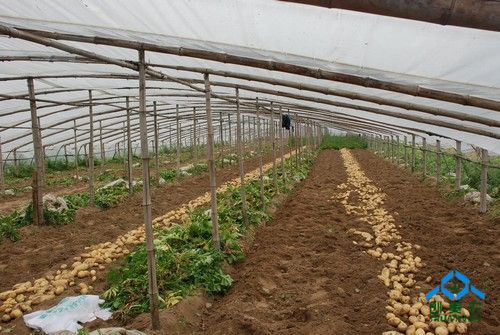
(455, 285)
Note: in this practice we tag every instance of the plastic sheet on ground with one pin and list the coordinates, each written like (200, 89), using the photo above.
(67, 315)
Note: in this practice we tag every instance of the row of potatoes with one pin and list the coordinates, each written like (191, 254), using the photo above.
(408, 315)
(23, 296)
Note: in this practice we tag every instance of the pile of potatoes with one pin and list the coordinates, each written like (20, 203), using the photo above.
(409, 315)
(19, 300)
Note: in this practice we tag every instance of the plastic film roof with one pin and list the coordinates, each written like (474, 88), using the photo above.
(452, 59)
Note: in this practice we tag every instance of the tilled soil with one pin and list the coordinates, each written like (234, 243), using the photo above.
(453, 235)
(41, 249)
(304, 275)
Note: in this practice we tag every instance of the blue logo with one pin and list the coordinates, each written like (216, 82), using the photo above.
(457, 295)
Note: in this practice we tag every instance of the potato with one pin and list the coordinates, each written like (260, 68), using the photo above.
(420, 331)
(6, 318)
(16, 313)
(413, 311)
(461, 328)
(441, 330)
(83, 274)
(394, 321)
(421, 325)
(410, 330)
(402, 326)
(59, 290)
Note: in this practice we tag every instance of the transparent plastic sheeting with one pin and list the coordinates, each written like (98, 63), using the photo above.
(448, 58)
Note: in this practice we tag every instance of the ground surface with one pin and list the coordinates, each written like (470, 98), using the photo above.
(304, 275)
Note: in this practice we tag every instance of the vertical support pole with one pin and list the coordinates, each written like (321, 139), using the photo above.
(282, 159)
(91, 151)
(195, 138)
(2, 179)
(438, 161)
(37, 146)
(296, 137)
(16, 165)
(261, 172)
(239, 147)
(483, 206)
(152, 283)
(398, 151)
(129, 149)
(458, 166)
(103, 152)
(170, 137)
(124, 126)
(230, 139)
(406, 151)
(221, 134)
(178, 131)
(66, 156)
(211, 166)
(273, 144)
(75, 144)
(424, 157)
(413, 153)
(157, 144)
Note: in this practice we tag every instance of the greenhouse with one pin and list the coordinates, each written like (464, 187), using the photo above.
(249, 167)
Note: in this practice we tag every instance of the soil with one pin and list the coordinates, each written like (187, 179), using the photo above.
(45, 248)
(303, 274)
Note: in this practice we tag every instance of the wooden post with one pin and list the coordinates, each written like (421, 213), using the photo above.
(273, 144)
(178, 131)
(239, 147)
(261, 172)
(282, 159)
(406, 151)
(129, 150)
(230, 139)
(397, 149)
(438, 161)
(2, 179)
(124, 140)
(157, 144)
(37, 148)
(91, 152)
(16, 165)
(170, 133)
(483, 206)
(211, 166)
(221, 134)
(66, 155)
(296, 135)
(458, 167)
(424, 157)
(195, 138)
(101, 143)
(413, 153)
(75, 145)
(152, 287)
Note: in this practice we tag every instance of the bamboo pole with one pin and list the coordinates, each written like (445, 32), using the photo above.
(424, 157)
(458, 167)
(261, 172)
(240, 160)
(38, 218)
(75, 147)
(129, 150)
(157, 144)
(211, 167)
(152, 283)
(438, 161)
(282, 159)
(221, 135)
(406, 151)
(195, 138)
(91, 152)
(178, 133)
(397, 150)
(413, 153)
(296, 136)
(42, 37)
(2, 178)
(230, 139)
(273, 144)
(101, 143)
(483, 205)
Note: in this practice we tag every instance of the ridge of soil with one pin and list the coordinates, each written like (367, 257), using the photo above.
(41, 249)
(453, 235)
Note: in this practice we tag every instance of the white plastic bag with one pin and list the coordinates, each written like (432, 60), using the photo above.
(67, 313)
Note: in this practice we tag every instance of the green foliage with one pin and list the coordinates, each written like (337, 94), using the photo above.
(110, 196)
(346, 141)
(185, 259)
(168, 175)
(58, 165)
(107, 175)
(197, 169)
(22, 171)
